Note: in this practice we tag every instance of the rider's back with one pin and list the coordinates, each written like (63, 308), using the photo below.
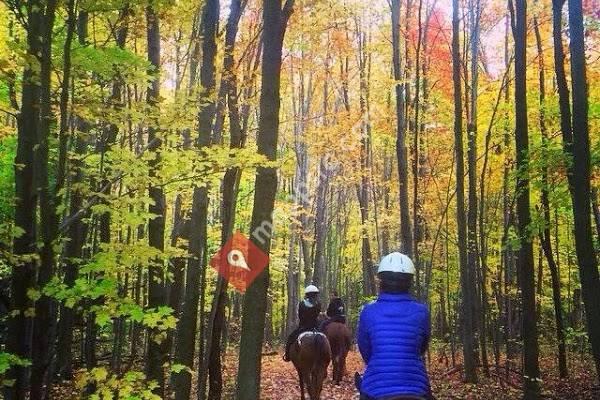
(393, 331)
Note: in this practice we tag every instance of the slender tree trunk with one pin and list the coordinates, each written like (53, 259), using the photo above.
(255, 301)
(545, 237)
(363, 189)
(195, 276)
(321, 214)
(406, 235)
(465, 276)
(505, 276)
(230, 191)
(65, 89)
(44, 329)
(417, 157)
(580, 181)
(473, 246)
(525, 263)
(302, 108)
(22, 277)
(320, 267)
(293, 283)
(177, 268)
(157, 350)
(74, 245)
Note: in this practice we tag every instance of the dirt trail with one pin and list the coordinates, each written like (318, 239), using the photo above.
(280, 382)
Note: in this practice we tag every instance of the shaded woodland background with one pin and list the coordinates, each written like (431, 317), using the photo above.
(137, 136)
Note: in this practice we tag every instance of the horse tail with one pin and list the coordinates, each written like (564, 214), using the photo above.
(321, 345)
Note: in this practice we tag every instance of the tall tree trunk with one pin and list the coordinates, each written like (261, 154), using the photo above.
(209, 24)
(231, 182)
(293, 283)
(22, 276)
(196, 272)
(580, 181)
(321, 223)
(545, 237)
(417, 157)
(44, 326)
(525, 263)
(468, 324)
(406, 236)
(507, 212)
(74, 245)
(301, 108)
(65, 89)
(472, 234)
(364, 188)
(157, 350)
(320, 267)
(255, 301)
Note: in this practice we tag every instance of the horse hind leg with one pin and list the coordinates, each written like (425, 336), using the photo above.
(312, 385)
(342, 367)
(318, 377)
(336, 370)
(301, 380)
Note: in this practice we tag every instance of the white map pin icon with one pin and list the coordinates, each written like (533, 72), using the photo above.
(235, 258)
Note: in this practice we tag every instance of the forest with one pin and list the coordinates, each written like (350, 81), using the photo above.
(144, 144)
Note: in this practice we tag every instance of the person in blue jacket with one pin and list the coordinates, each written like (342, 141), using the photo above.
(393, 336)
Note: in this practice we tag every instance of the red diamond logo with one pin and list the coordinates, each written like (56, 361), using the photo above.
(239, 261)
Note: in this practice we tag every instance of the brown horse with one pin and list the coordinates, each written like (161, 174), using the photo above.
(340, 341)
(311, 356)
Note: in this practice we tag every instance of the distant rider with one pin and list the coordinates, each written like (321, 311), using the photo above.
(308, 314)
(336, 311)
(393, 336)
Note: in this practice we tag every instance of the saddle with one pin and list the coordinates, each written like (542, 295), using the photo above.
(308, 333)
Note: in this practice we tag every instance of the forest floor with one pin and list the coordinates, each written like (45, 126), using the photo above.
(280, 382)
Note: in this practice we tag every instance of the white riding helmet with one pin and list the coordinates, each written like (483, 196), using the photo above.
(397, 262)
(311, 289)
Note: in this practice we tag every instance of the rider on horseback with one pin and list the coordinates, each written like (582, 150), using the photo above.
(308, 313)
(393, 335)
(336, 311)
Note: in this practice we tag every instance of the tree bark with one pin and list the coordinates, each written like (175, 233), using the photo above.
(468, 324)
(525, 264)
(545, 236)
(74, 245)
(364, 186)
(472, 233)
(196, 272)
(580, 181)
(406, 236)
(44, 328)
(157, 351)
(255, 301)
(23, 275)
(231, 182)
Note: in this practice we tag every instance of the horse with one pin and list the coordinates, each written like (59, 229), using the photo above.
(311, 356)
(340, 341)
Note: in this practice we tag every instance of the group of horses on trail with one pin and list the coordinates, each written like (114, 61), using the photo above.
(312, 353)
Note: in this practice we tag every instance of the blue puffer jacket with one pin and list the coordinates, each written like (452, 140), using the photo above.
(393, 332)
